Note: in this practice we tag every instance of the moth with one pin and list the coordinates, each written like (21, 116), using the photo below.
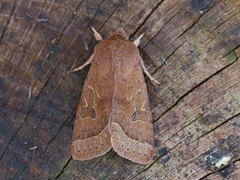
(114, 110)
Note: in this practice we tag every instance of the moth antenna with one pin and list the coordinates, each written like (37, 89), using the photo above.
(97, 36)
(82, 66)
(147, 73)
(137, 41)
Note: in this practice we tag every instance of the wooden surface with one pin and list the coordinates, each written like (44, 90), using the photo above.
(196, 108)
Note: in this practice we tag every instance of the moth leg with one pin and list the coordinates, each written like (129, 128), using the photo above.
(97, 36)
(147, 73)
(82, 66)
(137, 41)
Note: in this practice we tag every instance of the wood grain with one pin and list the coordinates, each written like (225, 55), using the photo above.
(195, 108)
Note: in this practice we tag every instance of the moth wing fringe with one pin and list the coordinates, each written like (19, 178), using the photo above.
(123, 145)
(86, 149)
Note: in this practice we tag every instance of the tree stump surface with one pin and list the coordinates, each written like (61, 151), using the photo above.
(196, 107)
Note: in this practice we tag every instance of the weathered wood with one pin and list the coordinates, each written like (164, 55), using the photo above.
(196, 108)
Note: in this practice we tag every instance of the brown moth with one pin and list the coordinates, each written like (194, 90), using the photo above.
(114, 110)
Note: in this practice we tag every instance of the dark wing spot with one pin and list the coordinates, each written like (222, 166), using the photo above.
(133, 118)
(88, 112)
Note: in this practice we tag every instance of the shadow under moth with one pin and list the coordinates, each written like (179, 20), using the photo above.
(114, 110)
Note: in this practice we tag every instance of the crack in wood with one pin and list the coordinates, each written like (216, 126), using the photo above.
(24, 120)
(224, 21)
(198, 85)
(98, 8)
(169, 20)
(195, 22)
(172, 53)
(218, 171)
(105, 22)
(233, 51)
(63, 168)
(196, 118)
(41, 90)
(9, 19)
(210, 131)
(221, 124)
(191, 122)
(32, 35)
(192, 25)
(215, 128)
(146, 18)
(105, 174)
(71, 20)
(155, 161)
(72, 117)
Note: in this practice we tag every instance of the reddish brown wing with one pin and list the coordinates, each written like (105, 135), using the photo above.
(91, 136)
(131, 121)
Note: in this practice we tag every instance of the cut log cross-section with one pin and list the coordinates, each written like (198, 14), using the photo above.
(192, 47)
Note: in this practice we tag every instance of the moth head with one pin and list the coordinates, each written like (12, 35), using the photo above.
(120, 33)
